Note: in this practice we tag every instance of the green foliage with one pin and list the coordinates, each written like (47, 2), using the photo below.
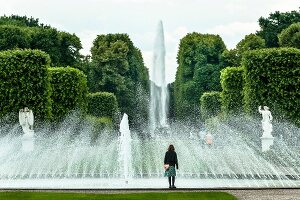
(46, 40)
(230, 58)
(272, 79)
(102, 104)
(210, 104)
(69, 87)
(250, 42)
(19, 21)
(23, 32)
(171, 108)
(232, 82)
(233, 57)
(99, 124)
(198, 71)
(12, 37)
(24, 81)
(70, 46)
(290, 37)
(118, 68)
(270, 27)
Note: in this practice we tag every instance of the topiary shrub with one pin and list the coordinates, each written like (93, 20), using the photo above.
(24, 81)
(232, 83)
(69, 87)
(210, 104)
(102, 104)
(272, 79)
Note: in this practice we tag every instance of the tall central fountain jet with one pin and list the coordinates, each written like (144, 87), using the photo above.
(159, 92)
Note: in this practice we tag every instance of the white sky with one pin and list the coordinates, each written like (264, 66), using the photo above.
(231, 19)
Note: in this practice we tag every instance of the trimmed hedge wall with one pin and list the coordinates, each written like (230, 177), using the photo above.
(102, 104)
(210, 104)
(69, 87)
(272, 78)
(24, 81)
(232, 83)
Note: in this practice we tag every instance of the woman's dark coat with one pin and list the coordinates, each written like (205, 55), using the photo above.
(171, 158)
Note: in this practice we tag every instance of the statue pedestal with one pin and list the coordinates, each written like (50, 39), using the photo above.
(28, 141)
(266, 142)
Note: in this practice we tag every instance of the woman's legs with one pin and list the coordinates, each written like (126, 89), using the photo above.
(169, 178)
(173, 182)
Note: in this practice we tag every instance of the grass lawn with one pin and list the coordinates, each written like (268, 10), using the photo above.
(134, 196)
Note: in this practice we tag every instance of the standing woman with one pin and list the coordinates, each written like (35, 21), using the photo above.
(171, 160)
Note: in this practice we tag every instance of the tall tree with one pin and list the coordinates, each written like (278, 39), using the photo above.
(23, 32)
(20, 21)
(198, 71)
(118, 68)
(270, 27)
(70, 46)
(47, 40)
(233, 57)
(12, 37)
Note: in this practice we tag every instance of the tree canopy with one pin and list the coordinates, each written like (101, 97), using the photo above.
(290, 37)
(271, 26)
(23, 32)
(233, 57)
(198, 71)
(118, 68)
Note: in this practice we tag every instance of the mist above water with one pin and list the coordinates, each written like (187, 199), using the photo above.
(69, 152)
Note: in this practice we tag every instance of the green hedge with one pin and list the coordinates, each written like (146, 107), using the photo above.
(102, 104)
(24, 81)
(69, 87)
(210, 104)
(272, 79)
(232, 83)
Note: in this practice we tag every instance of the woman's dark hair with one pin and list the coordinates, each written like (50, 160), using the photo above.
(171, 148)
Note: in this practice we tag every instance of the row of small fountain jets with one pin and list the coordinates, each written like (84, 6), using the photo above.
(133, 158)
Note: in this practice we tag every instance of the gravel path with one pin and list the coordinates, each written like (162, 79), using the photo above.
(267, 194)
(248, 194)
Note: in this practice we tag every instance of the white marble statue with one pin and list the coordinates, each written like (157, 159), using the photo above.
(26, 120)
(266, 121)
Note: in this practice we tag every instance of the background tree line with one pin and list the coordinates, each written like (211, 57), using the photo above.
(202, 58)
(115, 66)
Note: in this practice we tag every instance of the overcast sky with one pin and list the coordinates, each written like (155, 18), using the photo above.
(231, 19)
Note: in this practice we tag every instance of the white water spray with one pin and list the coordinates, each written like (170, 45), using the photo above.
(159, 92)
(125, 148)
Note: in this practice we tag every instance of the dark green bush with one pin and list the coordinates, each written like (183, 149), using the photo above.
(232, 83)
(102, 104)
(69, 87)
(24, 81)
(272, 79)
(210, 104)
